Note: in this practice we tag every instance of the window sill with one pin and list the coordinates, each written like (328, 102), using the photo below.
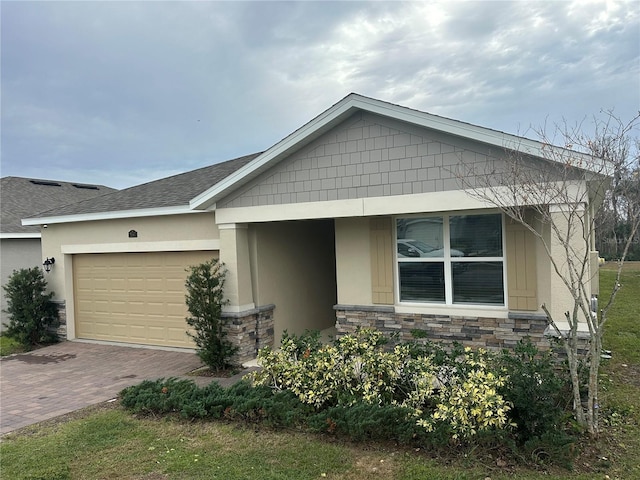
(454, 310)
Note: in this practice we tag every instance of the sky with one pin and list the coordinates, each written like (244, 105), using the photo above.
(120, 93)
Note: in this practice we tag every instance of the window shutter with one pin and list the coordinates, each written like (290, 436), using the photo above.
(381, 261)
(521, 267)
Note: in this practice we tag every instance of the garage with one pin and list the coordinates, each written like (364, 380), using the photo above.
(134, 297)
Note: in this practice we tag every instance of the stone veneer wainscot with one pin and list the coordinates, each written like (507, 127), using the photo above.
(250, 331)
(485, 332)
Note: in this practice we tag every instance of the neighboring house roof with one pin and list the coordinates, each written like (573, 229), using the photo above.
(168, 195)
(24, 197)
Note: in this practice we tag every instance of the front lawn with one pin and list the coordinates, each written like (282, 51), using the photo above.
(107, 442)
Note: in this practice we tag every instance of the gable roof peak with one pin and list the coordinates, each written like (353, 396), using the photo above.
(342, 110)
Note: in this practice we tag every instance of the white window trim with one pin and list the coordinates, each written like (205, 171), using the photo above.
(446, 307)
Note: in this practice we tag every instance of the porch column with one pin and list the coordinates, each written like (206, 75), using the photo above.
(234, 253)
(561, 297)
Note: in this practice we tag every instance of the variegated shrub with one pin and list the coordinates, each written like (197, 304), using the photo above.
(357, 368)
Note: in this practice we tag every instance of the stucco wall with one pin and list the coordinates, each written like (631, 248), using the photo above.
(561, 300)
(353, 261)
(293, 267)
(168, 233)
(14, 255)
(366, 156)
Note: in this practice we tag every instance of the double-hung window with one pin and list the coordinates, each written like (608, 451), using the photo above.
(451, 259)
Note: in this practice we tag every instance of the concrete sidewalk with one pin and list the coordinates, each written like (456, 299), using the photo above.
(62, 378)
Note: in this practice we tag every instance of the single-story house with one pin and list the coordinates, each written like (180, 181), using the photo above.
(357, 218)
(24, 197)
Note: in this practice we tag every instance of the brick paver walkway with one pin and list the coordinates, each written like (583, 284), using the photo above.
(69, 376)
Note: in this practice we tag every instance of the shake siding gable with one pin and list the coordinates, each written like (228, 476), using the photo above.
(366, 156)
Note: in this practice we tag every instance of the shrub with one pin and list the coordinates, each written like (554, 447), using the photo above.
(537, 389)
(356, 388)
(32, 314)
(356, 369)
(364, 421)
(469, 401)
(159, 396)
(239, 402)
(205, 299)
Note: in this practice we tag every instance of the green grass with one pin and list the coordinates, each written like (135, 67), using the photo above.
(107, 442)
(620, 376)
(9, 346)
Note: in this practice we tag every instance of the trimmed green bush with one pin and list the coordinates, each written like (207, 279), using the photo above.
(205, 298)
(160, 396)
(32, 314)
(539, 391)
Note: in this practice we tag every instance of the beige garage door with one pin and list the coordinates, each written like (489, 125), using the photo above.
(134, 297)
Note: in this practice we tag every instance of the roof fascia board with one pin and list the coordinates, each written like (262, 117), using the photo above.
(7, 236)
(88, 217)
(354, 102)
(487, 135)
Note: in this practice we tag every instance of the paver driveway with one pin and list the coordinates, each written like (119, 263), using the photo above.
(68, 376)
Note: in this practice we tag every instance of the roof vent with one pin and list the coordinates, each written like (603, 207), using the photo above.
(45, 183)
(85, 187)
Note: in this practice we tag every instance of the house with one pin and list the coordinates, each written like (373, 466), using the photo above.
(25, 197)
(358, 218)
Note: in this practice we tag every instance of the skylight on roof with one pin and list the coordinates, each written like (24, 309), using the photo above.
(85, 187)
(46, 183)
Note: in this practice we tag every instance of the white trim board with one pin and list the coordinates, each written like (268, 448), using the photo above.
(87, 217)
(142, 247)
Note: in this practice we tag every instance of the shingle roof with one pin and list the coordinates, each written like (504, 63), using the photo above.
(172, 191)
(24, 197)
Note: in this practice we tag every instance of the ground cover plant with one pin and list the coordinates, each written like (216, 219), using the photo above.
(108, 442)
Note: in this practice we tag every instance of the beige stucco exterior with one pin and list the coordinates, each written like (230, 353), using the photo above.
(172, 233)
(561, 299)
(293, 268)
(353, 261)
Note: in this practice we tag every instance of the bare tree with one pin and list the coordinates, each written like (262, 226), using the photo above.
(556, 193)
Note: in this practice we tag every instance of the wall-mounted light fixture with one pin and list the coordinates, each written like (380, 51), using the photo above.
(48, 263)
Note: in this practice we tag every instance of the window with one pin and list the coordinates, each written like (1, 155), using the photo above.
(451, 259)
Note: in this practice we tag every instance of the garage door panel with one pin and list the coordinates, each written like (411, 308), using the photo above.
(135, 298)
(157, 333)
(174, 334)
(156, 309)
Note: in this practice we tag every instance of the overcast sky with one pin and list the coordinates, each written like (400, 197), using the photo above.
(121, 93)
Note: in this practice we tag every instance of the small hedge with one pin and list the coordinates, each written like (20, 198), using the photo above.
(366, 392)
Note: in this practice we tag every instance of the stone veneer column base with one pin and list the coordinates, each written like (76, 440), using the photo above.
(485, 332)
(250, 331)
(61, 331)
